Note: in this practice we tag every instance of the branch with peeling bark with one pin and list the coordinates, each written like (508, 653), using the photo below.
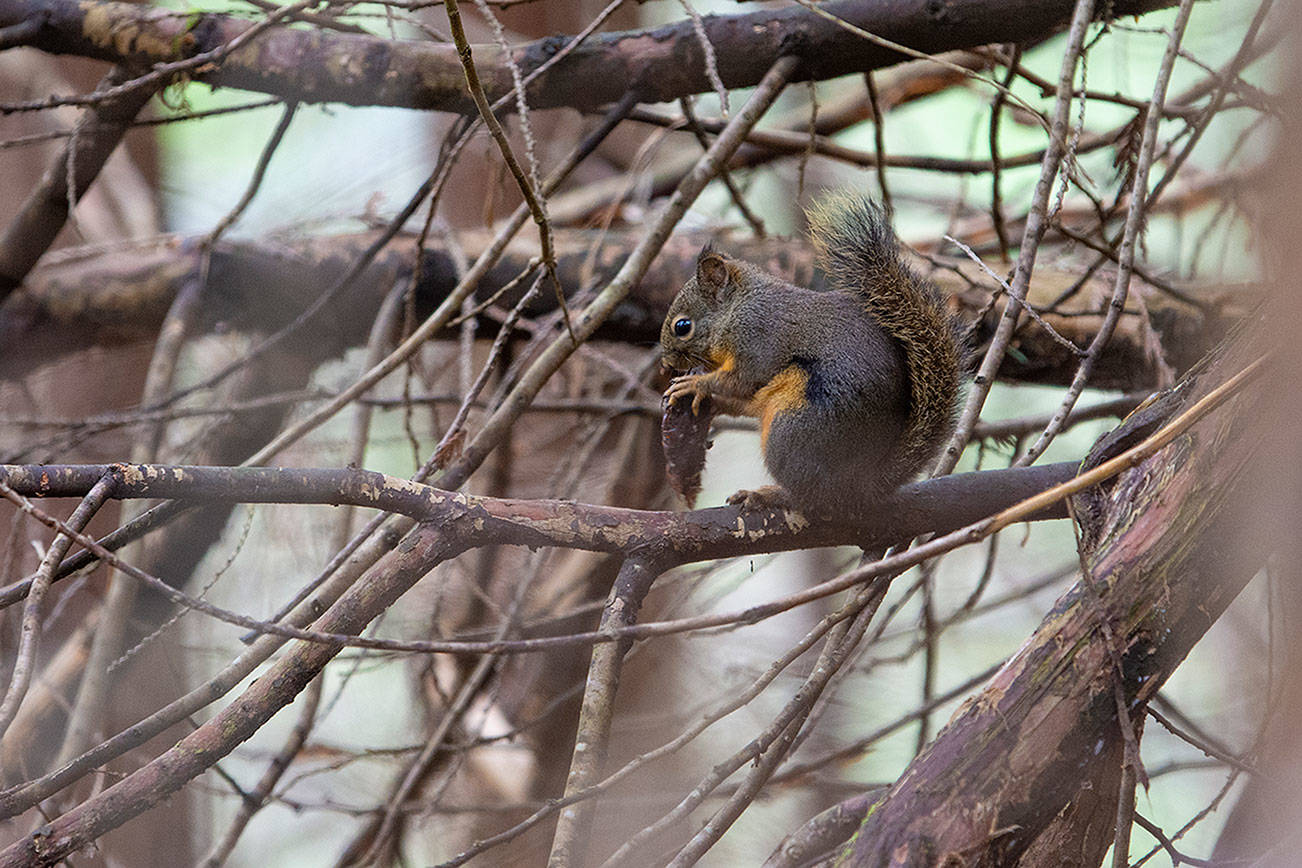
(1165, 548)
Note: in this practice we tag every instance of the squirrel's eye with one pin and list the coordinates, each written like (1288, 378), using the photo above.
(683, 327)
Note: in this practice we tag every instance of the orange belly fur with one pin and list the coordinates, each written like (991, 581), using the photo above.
(782, 394)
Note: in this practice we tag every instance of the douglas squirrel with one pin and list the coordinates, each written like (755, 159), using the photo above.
(856, 388)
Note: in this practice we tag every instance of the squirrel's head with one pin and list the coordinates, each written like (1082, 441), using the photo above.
(689, 337)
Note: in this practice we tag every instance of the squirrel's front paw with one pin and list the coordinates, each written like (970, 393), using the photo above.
(685, 385)
(764, 497)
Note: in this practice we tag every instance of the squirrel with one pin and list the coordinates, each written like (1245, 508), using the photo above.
(855, 387)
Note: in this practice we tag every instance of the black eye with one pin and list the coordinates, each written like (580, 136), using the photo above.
(683, 327)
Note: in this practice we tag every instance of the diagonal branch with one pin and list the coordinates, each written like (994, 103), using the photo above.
(44, 213)
(1168, 547)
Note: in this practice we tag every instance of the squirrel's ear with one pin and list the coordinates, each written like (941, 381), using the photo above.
(711, 271)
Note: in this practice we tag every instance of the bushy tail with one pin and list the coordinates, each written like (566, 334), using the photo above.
(859, 252)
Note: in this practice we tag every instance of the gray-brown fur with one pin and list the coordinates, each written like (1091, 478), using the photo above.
(877, 352)
(859, 253)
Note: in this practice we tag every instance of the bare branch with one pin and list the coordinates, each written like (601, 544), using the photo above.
(660, 65)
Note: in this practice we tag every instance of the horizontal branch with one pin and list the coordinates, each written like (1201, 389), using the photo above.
(429, 544)
(661, 64)
(932, 506)
(98, 297)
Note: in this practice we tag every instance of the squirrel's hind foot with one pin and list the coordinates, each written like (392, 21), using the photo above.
(764, 497)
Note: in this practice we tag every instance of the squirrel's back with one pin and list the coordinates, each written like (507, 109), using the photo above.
(858, 251)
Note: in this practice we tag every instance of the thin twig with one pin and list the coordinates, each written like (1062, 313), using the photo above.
(1034, 231)
(738, 199)
(707, 55)
(494, 127)
(1029, 310)
(1162, 286)
(922, 55)
(1227, 74)
(779, 735)
(798, 143)
(996, 181)
(25, 656)
(1177, 858)
(861, 746)
(470, 688)
(930, 651)
(879, 141)
(254, 801)
(1130, 772)
(1126, 255)
(454, 428)
(1203, 744)
(255, 180)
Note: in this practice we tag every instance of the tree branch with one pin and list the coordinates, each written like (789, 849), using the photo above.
(724, 531)
(41, 217)
(97, 297)
(1165, 549)
(661, 65)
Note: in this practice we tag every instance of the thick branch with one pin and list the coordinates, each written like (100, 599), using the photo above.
(660, 65)
(1166, 547)
(933, 505)
(122, 295)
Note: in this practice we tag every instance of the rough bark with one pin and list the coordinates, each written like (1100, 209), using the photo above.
(1166, 547)
(660, 65)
